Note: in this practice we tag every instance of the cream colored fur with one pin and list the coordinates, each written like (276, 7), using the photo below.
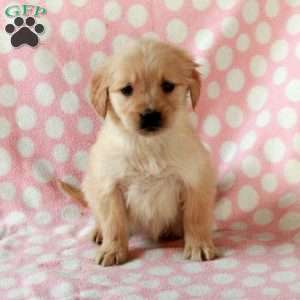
(161, 183)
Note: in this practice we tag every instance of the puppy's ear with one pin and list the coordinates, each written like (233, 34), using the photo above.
(195, 86)
(99, 94)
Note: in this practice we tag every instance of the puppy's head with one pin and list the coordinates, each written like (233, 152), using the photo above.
(144, 87)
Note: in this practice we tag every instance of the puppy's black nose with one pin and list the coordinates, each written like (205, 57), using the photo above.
(150, 120)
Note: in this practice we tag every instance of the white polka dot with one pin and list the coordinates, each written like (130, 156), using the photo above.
(54, 6)
(297, 51)
(5, 45)
(26, 117)
(72, 72)
(70, 213)
(54, 128)
(43, 218)
(226, 263)
(234, 116)
(167, 295)
(251, 166)
(137, 15)
(204, 67)
(227, 151)
(80, 160)
(279, 75)
(120, 41)
(248, 140)
(274, 150)
(197, 290)
(289, 262)
(263, 118)
(15, 218)
(270, 291)
(112, 11)
(235, 80)
(253, 281)
(211, 125)
(230, 27)
(258, 65)
(70, 264)
(8, 95)
(224, 278)
(265, 236)
(279, 50)
(293, 24)
(204, 39)
(25, 147)
(263, 216)
(4, 128)
(173, 4)
(61, 153)
(79, 3)
(233, 293)
(284, 249)
(201, 5)
(292, 90)
(85, 125)
(17, 69)
(7, 191)
(32, 197)
(7, 283)
(223, 209)
(286, 200)
(42, 170)
(292, 171)
(69, 30)
(94, 31)
(257, 97)
(243, 42)
(96, 59)
(269, 182)
(176, 31)
(287, 118)
(44, 61)
(36, 278)
(289, 221)
(256, 250)
(192, 268)
(179, 280)
(227, 181)
(283, 277)
(263, 33)
(296, 142)
(44, 94)
(213, 90)
(160, 271)
(62, 290)
(247, 198)
(258, 268)
(272, 8)
(250, 11)
(69, 103)
(293, 3)
(224, 57)
(226, 4)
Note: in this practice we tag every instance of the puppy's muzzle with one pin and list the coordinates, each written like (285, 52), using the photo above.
(150, 120)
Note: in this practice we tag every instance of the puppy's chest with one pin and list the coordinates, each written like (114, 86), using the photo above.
(152, 191)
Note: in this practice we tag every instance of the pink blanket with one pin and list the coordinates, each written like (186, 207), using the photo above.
(248, 115)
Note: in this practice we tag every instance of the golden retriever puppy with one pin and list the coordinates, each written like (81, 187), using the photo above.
(148, 170)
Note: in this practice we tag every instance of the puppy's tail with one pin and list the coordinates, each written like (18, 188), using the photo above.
(72, 191)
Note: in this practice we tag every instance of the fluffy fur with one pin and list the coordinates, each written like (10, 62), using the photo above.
(161, 183)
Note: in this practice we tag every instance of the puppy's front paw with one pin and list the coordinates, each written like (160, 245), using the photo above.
(110, 255)
(200, 250)
(96, 236)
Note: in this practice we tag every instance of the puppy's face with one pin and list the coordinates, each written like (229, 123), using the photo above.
(146, 86)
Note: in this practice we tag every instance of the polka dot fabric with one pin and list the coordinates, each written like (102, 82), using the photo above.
(248, 117)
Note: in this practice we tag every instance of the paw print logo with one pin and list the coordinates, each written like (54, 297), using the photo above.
(24, 32)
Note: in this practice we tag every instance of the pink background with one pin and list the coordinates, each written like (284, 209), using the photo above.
(248, 115)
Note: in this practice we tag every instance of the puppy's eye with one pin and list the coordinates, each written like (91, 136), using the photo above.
(127, 90)
(167, 86)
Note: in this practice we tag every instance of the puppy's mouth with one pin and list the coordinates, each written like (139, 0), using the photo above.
(151, 121)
